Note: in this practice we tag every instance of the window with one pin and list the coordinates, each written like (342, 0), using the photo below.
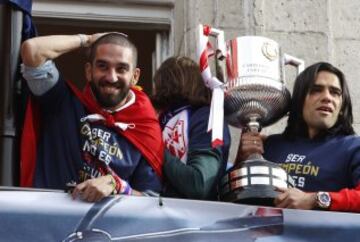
(147, 22)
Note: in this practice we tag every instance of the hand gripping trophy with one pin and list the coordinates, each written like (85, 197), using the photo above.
(249, 90)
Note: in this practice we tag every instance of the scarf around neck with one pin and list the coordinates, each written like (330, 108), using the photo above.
(145, 134)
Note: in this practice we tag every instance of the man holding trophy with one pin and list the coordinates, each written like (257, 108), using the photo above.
(315, 163)
(318, 147)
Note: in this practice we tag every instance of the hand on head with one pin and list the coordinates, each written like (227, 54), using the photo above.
(88, 40)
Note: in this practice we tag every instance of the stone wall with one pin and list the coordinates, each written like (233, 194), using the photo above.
(312, 30)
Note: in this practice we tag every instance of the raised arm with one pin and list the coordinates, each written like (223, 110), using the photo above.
(40, 73)
(36, 51)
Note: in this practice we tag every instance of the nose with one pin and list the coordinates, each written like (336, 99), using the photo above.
(326, 95)
(111, 76)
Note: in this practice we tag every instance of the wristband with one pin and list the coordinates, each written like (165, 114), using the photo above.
(83, 40)
(113, 184)
(125, 188)
(121, 186)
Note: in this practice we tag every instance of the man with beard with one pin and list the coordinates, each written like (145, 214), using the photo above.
(106, 139)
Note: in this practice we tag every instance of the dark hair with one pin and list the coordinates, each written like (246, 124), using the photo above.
(304, 82)
(113, 38)
(178, 80)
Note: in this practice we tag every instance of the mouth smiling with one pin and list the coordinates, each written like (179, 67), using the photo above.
(110, 87)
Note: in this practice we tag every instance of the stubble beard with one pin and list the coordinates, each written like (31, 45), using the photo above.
(110, 100)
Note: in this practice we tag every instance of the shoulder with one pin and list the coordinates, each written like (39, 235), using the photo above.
(350, 138)
(201, 113)
(274, 138)
(142, 104)
(140, 96)
(198, 118)
(275, 142)
(350, 141)
(58, 95)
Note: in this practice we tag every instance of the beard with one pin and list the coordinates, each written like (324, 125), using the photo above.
(109, 100)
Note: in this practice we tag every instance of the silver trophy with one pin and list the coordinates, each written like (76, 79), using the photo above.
(256, 96)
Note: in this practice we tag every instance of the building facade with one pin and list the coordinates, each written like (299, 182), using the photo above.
(312, 30)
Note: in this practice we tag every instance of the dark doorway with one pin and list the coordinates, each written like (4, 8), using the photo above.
(71, 64)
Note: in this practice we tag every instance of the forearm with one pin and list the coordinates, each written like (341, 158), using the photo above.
(136, 193)
(295, 198)
(197, 178)
(37, 50)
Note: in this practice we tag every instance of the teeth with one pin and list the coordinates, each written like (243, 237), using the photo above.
(325, 109)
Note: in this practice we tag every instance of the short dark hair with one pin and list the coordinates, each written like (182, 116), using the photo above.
(296, 125)
(178, 80)
(117, 39)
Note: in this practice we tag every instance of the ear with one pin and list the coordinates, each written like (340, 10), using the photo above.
(88, 70)
(135, 77)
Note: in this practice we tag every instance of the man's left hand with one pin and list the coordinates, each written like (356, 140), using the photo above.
(93, 190)
(295, 198)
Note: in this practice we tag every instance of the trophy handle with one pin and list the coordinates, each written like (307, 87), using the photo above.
(203, 51)
(218, 34)
(291, 60)
(215, 83)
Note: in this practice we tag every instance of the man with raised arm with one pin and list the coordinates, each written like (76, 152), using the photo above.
(107, 138)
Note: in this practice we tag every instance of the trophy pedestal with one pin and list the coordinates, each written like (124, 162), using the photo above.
(259, 195)
(254, 182)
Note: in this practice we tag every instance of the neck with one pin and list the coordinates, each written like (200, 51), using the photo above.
(122, 103)
(312, 133)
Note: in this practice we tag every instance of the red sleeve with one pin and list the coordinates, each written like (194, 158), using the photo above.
(28, 145)
(346, 200)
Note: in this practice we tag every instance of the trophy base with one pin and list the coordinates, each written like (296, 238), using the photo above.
(254, 182)
(255, 195)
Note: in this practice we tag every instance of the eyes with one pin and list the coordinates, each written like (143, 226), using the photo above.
(121, 68)
(334, 91)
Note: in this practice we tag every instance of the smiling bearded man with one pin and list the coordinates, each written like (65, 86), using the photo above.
(106, 139)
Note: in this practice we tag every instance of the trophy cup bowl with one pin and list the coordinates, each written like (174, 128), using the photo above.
(261, 98)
